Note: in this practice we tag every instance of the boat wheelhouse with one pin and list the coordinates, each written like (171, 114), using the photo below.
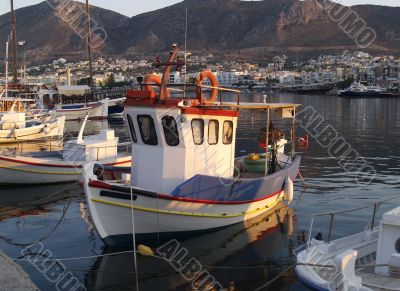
(185, 176)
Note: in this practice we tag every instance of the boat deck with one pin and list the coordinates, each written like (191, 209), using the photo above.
(379, 282)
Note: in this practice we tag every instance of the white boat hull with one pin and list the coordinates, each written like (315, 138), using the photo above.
(94, 111)
(111, 210)
(46, 130)
(25, 170)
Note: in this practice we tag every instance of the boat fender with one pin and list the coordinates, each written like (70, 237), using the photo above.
(288, 190)
(145, 251)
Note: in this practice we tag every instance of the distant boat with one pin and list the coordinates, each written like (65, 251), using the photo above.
(97, 110)
(359, 90)
(81, 96)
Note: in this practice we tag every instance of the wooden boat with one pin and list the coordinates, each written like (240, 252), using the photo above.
(14, 127)
(365, 261)
(62, 166)
(97, 110)
(185, 177)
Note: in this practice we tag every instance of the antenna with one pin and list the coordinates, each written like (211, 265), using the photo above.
(186, 34)
(89, 43)
(14, 39)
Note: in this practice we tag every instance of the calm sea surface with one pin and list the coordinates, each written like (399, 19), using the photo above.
(242, 257)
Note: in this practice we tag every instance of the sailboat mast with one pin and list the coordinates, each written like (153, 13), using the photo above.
(14, 39)
(6, 65)
(89, 42)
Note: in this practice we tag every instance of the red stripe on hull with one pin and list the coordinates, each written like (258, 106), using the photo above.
(54, 165)
(105, 186)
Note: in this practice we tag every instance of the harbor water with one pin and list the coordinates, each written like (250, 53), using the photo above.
(239, 257)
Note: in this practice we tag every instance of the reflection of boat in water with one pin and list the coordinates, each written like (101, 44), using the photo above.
(234, 245)
(15, 203)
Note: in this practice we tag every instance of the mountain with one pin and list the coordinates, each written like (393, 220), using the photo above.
(49, 37)
(242, 29)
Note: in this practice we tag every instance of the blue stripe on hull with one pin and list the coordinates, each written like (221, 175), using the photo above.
(115, 109)
(310, 284)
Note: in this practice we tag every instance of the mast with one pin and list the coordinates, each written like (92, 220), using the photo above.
(169, 64)
(6, 68)
(186, 35)
(89, 42)
(14, 39)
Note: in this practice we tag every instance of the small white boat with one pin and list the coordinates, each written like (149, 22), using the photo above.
(14, 127)
(96, 110)
(185, 177)
(365, 261)
(56, 166)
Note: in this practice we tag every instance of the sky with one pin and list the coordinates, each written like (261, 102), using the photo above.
(134, 7)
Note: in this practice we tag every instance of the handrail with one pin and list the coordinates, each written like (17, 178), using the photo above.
(20, 146)
(221, 89)
(332, 214)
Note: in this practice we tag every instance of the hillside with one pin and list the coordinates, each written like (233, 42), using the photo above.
(247, 29)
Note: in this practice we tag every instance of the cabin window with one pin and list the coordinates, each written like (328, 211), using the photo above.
(147, 129)
(170, 130)
(132, 128)
(213, 129)
(227, 132)
(397, 246)
(198, 131)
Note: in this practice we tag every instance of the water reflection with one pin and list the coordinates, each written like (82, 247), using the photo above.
(245, 247)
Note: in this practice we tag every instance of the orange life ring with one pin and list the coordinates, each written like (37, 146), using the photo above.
(151, 78)
(214, 83)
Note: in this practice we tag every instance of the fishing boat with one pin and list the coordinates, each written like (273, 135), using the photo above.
(96, 110)
(64, 97)
(185, 177)
(15, 127)
(366, 261)
(62, 166)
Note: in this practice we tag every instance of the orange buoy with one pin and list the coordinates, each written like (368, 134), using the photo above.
(214, 83)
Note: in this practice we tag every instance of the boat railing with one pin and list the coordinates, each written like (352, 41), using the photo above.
(333, 214)
(124, 146)
(173, 88)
